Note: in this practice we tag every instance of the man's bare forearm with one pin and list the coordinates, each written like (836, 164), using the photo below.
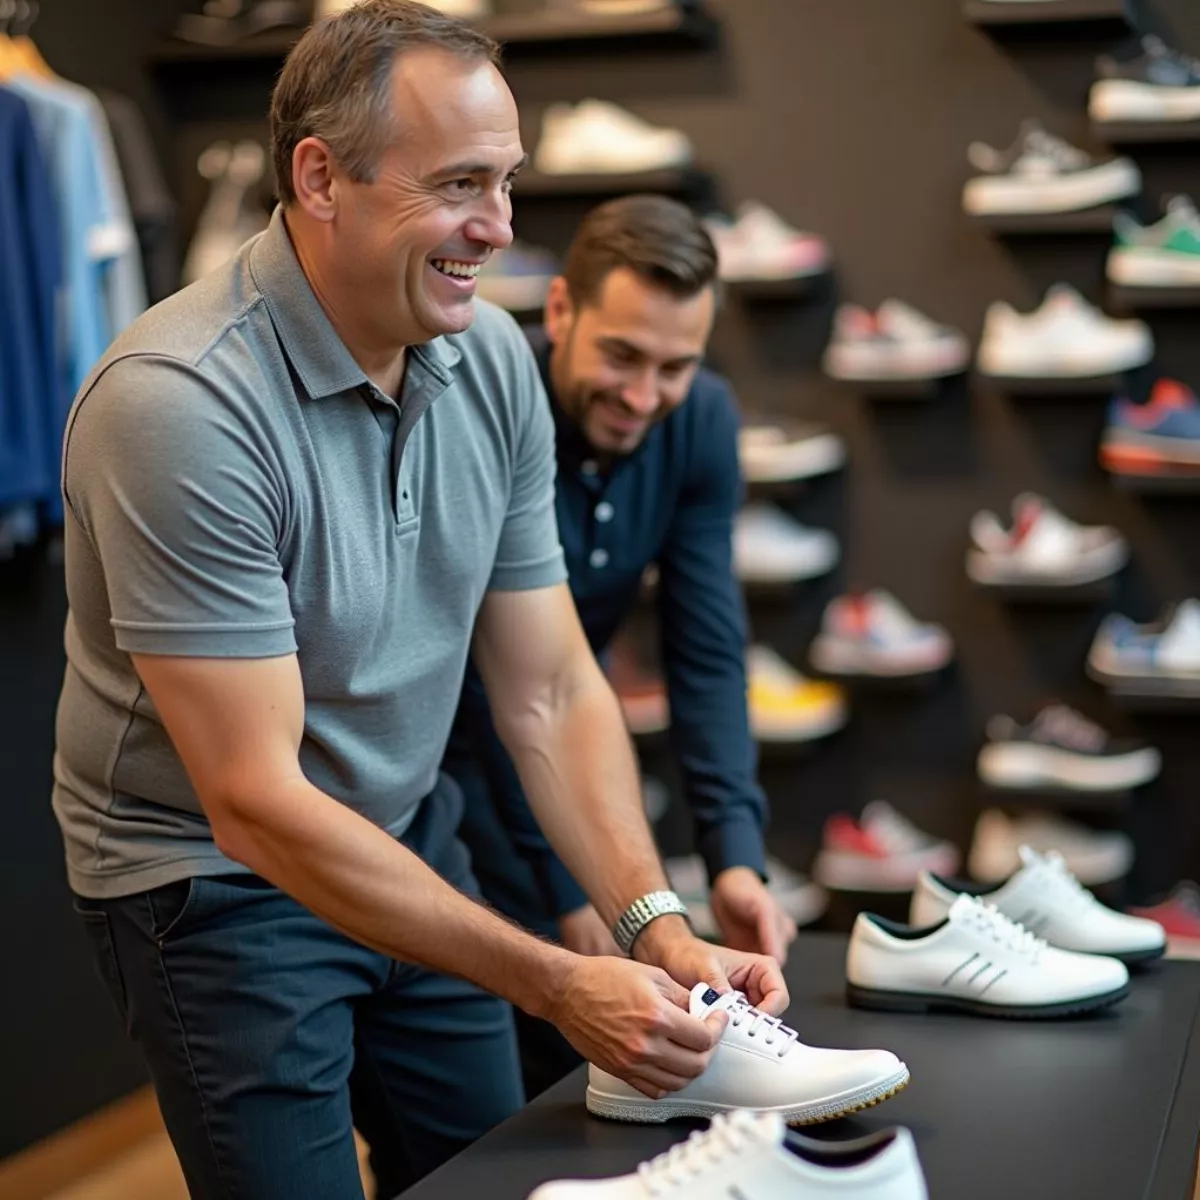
(579, 772)
(374, 889)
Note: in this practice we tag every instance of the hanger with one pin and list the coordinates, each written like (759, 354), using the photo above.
(29, 56)
(8, 50)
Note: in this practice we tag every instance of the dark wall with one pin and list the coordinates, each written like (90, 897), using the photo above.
(852, 119)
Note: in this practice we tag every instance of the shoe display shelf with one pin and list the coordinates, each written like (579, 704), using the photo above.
(658, 29)
(1129, 299)
(1059, 386)
(1097, 220)
(1158, 485)
(800, 287)
(1136, 697)
(1047, 12)
(1048, 596)
(1038, 799)
(1137, 133)
(672, 181)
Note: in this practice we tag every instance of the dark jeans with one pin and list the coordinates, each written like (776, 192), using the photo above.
(269, 1034)
(507, 882)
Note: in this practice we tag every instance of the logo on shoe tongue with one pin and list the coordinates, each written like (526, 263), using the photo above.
(710, 997)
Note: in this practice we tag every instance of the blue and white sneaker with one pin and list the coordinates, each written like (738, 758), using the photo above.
(1162, 659)
(873, 634)
(1158, 439)
(1160, 85)
(517, 278)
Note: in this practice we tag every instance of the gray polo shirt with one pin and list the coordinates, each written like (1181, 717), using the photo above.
(237, 488)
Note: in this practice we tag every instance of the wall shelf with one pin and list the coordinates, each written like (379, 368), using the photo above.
(798, 287)
(989, 13)
(671, 181)
(1181, 484)
(1127, 299)
(660, 29)
(1138, 133)
(1094, 385)
(1090, 221)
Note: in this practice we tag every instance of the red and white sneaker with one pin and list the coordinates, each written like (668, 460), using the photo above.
(1179, 915)
(882, 852)
(873, 635)
(1042, 548)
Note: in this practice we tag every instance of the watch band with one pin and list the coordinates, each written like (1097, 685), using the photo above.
(641, 912)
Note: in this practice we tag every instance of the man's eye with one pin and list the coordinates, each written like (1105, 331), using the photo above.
(463, 185)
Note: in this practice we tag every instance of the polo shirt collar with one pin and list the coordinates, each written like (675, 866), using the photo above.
(318, 355)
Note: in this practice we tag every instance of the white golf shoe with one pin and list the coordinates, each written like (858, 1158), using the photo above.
(760, 1064)
(1050, 902)
(975, 961)
(754, 1156)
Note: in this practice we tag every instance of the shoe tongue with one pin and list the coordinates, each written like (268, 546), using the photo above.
(1029, 856)
(706, 999)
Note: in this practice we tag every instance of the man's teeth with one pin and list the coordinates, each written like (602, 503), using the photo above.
(463, 270)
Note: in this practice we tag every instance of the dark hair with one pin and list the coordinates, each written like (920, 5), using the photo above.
(661, 240)
(337, 82)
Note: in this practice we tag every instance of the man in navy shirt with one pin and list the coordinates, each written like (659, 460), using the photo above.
(647, 473)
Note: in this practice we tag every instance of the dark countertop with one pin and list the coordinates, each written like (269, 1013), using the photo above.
(1100, 1108)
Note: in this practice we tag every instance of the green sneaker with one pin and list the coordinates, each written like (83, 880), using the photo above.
(1166, 254)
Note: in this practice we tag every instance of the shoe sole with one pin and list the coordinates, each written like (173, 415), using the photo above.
(656, 1112)
(1140, 958)
(885, 1001)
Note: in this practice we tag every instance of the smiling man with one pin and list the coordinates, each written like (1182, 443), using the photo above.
(647, 473)
(292, 491)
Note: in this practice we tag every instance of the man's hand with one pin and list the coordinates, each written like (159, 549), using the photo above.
(668, 943)
(633, 1021)
(748, 916)
(584, 932)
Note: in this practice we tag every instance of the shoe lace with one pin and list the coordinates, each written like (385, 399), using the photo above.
(741, 1010)
(1157, 48)
(1060, 152)
(1070, 886)
(729, 1135)
(1069, 728)
(989, 920)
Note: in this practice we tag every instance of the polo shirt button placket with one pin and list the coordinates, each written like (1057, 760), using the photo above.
(599, 557)
(604, 512)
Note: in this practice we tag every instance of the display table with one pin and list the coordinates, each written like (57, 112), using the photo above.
(1100, 1108)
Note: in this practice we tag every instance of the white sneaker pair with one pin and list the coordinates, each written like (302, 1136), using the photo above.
(597, 137)
(1038, 945)
(753, 1156)
(1066, 338)
(977, 961)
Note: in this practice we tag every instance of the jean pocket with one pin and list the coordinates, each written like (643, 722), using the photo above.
(168, 905)
(99, 933)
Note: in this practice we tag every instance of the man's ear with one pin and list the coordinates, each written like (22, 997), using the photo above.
(559, 313)
(314, 178)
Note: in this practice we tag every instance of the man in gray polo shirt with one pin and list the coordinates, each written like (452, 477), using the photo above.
(292, 490)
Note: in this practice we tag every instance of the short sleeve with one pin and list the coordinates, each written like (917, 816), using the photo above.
(183, 504)
(529, 554)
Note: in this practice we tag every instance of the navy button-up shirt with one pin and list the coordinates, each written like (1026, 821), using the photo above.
(672, 502)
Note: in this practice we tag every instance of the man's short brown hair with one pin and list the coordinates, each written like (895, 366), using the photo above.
(337, 82)
(659, 239)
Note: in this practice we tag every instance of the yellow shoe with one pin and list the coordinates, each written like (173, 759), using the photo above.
(787, 707)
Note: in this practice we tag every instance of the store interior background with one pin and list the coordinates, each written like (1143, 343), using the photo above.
(851, 119)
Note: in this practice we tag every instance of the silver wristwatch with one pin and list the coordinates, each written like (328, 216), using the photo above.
(641, 912)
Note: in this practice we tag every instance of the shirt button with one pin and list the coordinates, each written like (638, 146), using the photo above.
(589, 466)
(604, 512)
(599, 558)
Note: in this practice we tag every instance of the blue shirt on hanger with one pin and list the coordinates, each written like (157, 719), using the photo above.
(30, 275)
